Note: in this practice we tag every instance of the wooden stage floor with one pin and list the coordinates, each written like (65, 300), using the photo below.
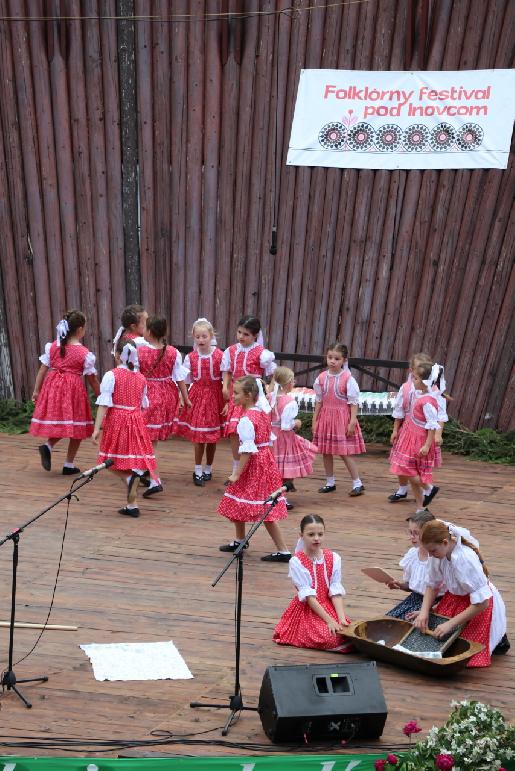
(148, 579)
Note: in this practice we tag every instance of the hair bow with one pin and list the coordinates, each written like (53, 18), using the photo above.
(129, 355)
(116, 338)
(262, 401)
(62, 330)
(461, 532)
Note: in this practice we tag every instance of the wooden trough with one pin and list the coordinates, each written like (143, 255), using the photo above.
(366, 635)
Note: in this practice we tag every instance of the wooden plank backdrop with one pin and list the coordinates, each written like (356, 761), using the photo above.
(390, 262)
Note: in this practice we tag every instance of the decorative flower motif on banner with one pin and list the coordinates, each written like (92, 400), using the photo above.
(469, 137)
(388, 137)
(416, 137)
(361, 136)
(350, 119)
(332, 136)
(442, 137)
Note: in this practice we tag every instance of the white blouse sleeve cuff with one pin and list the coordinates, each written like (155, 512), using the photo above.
(317, 388)
(288, 416)
(179, 372)
(225, 364)
(144, 399)
(431, 416)
(105, 398)
(267, 361)
(247, 435)
(352, 391)
(335, 589)
(305, 592)
(89, 364)
(480, 595)
(45, 357)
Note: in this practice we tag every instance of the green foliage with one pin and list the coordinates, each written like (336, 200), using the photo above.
(15, 416)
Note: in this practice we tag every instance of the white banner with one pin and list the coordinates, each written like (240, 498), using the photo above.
(403, 120)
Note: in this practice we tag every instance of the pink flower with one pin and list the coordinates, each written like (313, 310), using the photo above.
(379, 765)
(501, 769)
(444, 762)
(392, 760)
(411, 728)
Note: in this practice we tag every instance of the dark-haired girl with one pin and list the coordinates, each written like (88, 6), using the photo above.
(161, 364)
(246, 357)
(336, 430)
(62, 406)
(315, 618)
(133, 324)
(125, 439)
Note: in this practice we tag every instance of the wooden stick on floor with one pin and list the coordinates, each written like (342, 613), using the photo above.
(27, 625)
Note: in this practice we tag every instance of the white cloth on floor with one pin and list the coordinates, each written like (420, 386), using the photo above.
(137, 661)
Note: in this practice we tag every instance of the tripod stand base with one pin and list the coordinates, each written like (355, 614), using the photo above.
(235, 705)
(9, 682)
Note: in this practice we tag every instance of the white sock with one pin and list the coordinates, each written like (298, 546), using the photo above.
(131, 506)
(154, 483)
(198, 470)
(139, 471)
(49, 447)
(67, 464)
(235, 464)
(208, 469)
(330, 481)
(285, 552)
(356, 483)
(427, 490)
(403, 490)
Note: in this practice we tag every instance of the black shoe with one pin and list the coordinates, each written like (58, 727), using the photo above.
(428, 498)
(129, 512)
(289, 506)
(276, 556)
(502, 647)
(356, 491)
(198, 481)
(231, 546)
(397, 497)
(327, 489)
(46, 457)
(227, 482)
(67, 471)
(207, 476)
(153, 490)
(293, 489)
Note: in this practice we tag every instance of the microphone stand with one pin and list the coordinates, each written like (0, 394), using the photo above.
(9, 679)
(236, 700)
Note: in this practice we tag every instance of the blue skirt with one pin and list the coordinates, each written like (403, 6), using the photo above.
(412, 602)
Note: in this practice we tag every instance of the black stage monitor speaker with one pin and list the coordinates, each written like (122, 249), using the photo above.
(322, 701)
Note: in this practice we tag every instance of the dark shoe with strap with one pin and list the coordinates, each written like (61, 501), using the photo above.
(232, 546)
(327, 489)
(67, 471)
(153, 490)
(129, 512)
(207, 476)
(395, 497)
(502, 647)
(276, 556)
(46, 457)
(356, 491)
(428, 498)
(198, 481)
(289, 506)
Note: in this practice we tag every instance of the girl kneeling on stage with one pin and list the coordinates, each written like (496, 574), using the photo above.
(470, 600)
(315, 618)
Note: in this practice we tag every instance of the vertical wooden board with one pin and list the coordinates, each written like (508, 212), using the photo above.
(474, 40)
(179, 167)
(194, 167)
(64, 164)
(144, 81)
(506, 419)
(97, 165)
(76, 72)
(113, 155)
(342, 247)
(440, 24)
(456, 35)
(163, 179)
(211, 142)
(504, 53)
(490, 34)
(36, 243)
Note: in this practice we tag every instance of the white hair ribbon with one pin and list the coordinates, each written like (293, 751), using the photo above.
(461, 532)
(61, 330)
(203, 320)
(433, 377)
(260, 340)
(262, 401)
(299, 546)
(129, 355)
(443, 384)
(273, 395)
(116, 338)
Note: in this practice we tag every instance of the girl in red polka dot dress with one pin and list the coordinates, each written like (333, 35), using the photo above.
(133, 318)
(125, 439)
(315, 618)
(471, 599)
(256, 476)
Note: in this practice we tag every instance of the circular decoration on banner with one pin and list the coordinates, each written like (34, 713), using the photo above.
(361, 136)
(469, 137)
(388, 137)
(332, 136)
(442, 137)
(416, 137)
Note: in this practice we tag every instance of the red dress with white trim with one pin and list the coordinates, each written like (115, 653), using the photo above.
(294, 454)
(467, 584)
(239, 361)
(336, 393)
(125, 438)
(243, 501)
(404, 456)
(404, 404)
(300, 625)
(203, 421)
(62, 408)
(161, 368)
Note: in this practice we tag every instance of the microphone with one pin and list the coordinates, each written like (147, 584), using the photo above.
(92, 471)
(286, 488)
